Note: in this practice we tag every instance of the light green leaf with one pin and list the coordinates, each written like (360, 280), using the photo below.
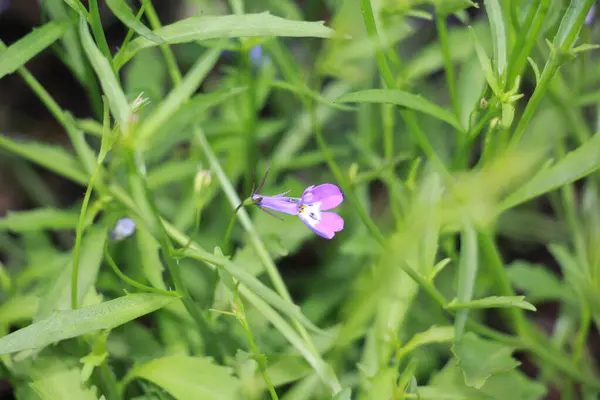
(494, 13)
(61, 384)
(67, 324)
(178, 96)
(575, 165)
(17, 54)
(149, 257)
(39, 219)
(345, 394)
(467, 272)
(229, 26)
(54, 158)
(449, 384)
(18, 308)
(435, 334)
(492, 302)
(479, 359)
(447, 7)
(537, 281)
(58, 294)
(486, 65)
(403, 99)
(109, 82)
(122, 11)
(190, 377)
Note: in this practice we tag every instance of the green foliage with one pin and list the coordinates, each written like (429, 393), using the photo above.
(453, 157)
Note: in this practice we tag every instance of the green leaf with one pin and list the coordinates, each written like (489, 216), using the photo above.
(229, 26)
(403, 99)
(492, 302)
(61, 384)
(152, 266)
(17, 54)
(479, 359)
(124, 13)
(537, 281)
(345, 394)
(58, 293)
(467, 272)
(575, 165)
(54, 158)
(18, 308)
(190, 377)
(494, 12)
(109, 82)
(435, 334)
(178, 96)
(39, 219)
(67, 324)
(449, 384)
(486, 65)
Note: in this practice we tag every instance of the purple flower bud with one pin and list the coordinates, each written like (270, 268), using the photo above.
(590, 15)
(124, 228)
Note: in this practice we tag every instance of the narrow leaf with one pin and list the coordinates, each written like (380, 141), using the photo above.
(486, 65)
(54, 158)
(467, 272)
(17, 54)
(179, 95)
(110, 85)
(39, 219)
(72, 323)
(190, 377)
(124, 13)
(403, 99)
(494, 13)
(229, 26)
(493, 302)
(575, 165)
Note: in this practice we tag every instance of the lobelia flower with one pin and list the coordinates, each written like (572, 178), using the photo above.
(124, 228)
(310, 207)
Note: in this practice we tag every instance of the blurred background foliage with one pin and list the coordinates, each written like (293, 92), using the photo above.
(461, 133)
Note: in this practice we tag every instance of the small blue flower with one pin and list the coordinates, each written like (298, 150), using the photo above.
(590, 16)
(256, 55)
(124, 228)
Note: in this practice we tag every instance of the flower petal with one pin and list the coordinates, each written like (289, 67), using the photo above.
(329, 224)
(279, 203)
(329, 195)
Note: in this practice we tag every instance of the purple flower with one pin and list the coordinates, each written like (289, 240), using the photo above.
(123, 229)
(309, 208)
(590, 15)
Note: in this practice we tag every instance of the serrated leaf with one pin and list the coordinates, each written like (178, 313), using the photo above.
(68, 324)
(479, 359)
(122, 11)
(449, 384)
(492, 302)
(39, 219)
(24, 49)
(190, 377)
(403, 99)
(229, 26)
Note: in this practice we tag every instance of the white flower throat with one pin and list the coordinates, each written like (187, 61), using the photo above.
(311, 213)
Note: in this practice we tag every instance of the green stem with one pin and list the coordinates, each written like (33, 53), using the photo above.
(132, 282)
(166, 50)
(442, 29)
(79, 234)
(128, 36)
